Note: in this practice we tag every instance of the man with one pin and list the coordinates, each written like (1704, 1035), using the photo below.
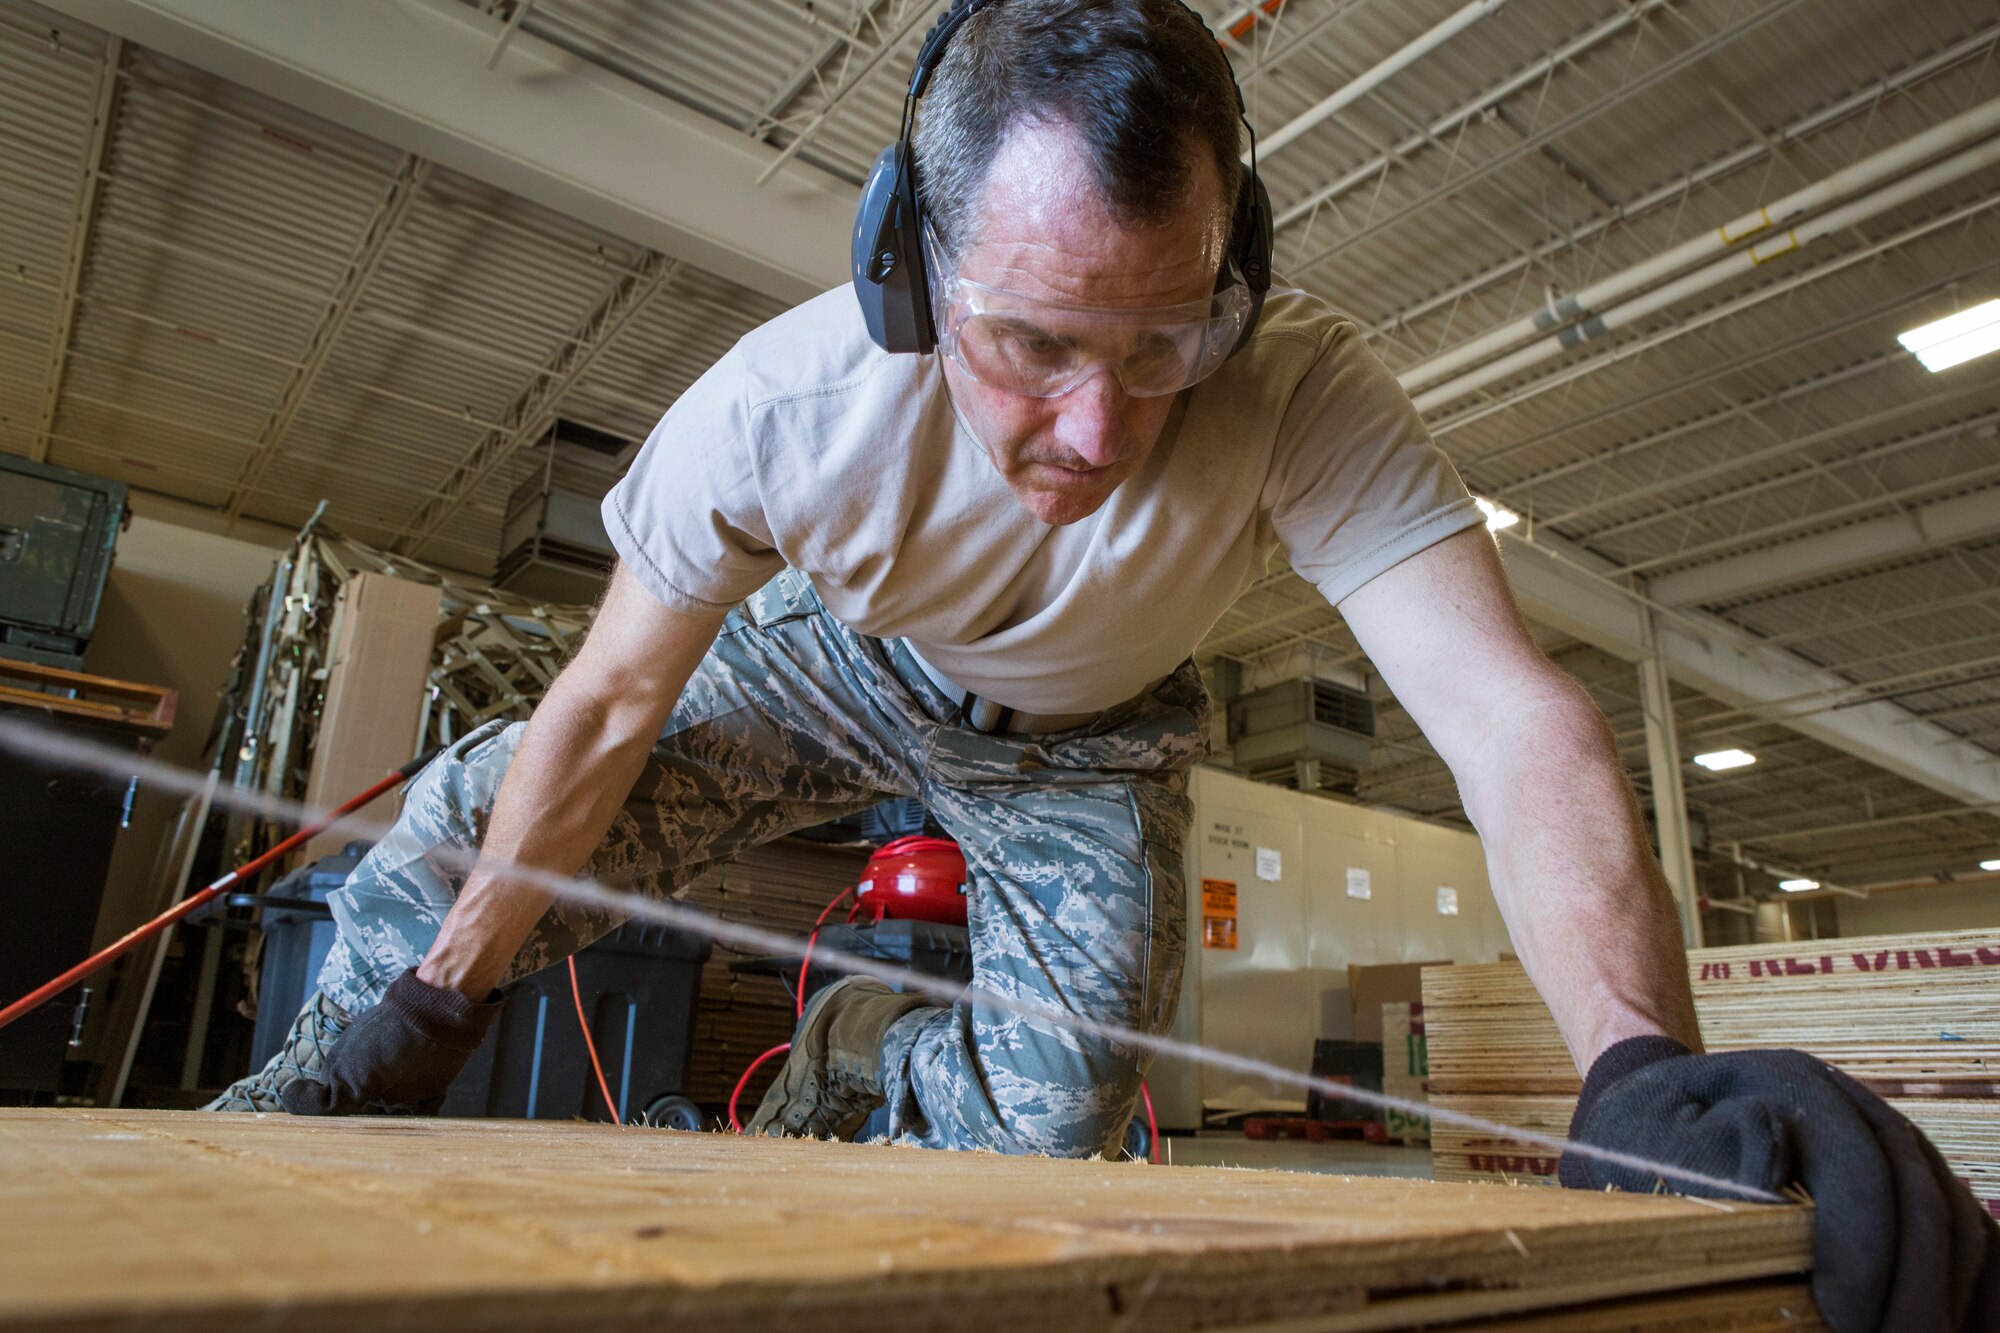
(976, 577)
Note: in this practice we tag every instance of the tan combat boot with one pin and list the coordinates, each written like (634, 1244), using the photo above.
(832, 1078)
(302, 1056)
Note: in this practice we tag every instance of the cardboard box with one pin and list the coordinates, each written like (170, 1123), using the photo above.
(378, 666)
(1369, 988)
(1406, 1069)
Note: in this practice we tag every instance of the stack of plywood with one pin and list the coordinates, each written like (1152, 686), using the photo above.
(180, 1221)
(1915, 1017)
(781, 886)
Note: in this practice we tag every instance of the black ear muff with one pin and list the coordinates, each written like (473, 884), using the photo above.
(1250, 235)
(890, 279)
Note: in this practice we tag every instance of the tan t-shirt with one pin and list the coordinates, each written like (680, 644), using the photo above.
(806, 445)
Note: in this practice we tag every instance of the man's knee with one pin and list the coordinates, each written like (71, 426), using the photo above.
(1060, 1096)
(1091, 1129)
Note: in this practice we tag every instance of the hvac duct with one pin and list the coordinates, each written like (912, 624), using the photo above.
(1968, 127)
(1313, 733)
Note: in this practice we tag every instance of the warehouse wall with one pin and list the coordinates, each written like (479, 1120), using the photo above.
(173, 616)
(1908, 911)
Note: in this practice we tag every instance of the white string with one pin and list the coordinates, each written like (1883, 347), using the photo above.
(44, 743)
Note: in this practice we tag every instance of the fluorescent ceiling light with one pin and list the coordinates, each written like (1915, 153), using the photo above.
(1945, 343)
(1717, 760)
(1797, 885)
(1500, 516)
(1994, 864)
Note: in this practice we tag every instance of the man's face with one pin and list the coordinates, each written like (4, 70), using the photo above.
(1042, 231)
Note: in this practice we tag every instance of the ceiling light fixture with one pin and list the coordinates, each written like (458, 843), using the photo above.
(1497, 516)
(1797, 885)
(1715, 761)
(1994, 864)
(1947, 342)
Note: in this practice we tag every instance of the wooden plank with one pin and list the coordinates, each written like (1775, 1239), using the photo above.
(202, 1221)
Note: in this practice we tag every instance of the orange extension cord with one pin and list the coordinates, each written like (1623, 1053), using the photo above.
(576, 993)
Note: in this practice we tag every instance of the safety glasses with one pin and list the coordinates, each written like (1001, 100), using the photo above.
(1043, 349)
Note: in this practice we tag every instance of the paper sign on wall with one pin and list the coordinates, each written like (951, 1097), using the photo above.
(1447, 901)
(1218, 914)
(1358, 884)
(1269, 865)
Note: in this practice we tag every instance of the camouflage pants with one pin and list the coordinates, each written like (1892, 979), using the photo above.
(1073, 841)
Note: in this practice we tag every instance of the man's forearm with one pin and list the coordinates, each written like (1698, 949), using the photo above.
(1582, 893)
(575, 766)
(583, 750)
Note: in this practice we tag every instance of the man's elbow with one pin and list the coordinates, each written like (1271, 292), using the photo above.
(1544, 740)
(613, 706)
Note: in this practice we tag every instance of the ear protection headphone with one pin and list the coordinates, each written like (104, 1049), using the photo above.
(891, 278)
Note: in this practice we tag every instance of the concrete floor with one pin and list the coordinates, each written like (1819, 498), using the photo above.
(1341, 1157)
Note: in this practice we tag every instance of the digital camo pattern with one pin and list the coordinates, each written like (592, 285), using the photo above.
(1072, 838)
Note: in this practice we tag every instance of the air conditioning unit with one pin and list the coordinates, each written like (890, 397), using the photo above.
(1310, 734)
(553, 547)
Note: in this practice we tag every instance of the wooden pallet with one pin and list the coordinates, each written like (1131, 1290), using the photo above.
(1313, 1131)
(187, 1221)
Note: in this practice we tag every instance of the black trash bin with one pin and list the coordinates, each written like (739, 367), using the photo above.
(638, 984)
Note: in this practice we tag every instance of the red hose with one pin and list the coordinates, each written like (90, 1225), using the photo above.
(124, 945)
(1152, 1123)
(736, 1125)
(805, 962)
(798, 1009)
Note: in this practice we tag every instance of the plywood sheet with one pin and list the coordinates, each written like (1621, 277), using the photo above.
(1965, 1130)
(201, 1221)
(1912, 1015)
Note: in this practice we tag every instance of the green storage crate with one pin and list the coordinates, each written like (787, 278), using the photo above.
(58, 530)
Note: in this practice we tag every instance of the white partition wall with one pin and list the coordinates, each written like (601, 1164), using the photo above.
(1257, 999)
(1318, 886)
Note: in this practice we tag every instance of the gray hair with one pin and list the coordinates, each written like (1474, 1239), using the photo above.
(1143, 84)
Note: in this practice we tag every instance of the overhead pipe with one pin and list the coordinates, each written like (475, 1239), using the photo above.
(1972, 45)
(1735, 305)
(1735, 853)
(1362, 84)
(1968, 127)
(1734, 265)
(1486, 101)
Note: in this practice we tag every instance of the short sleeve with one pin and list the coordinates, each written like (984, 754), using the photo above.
(1357, 485)
(688, 517)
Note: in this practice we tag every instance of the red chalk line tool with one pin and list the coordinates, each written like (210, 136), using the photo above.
(194, 902)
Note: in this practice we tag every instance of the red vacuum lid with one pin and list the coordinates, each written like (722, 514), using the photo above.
(915, 879)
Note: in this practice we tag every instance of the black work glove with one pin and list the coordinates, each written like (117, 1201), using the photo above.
(1899, 1243)
(399, 1057)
